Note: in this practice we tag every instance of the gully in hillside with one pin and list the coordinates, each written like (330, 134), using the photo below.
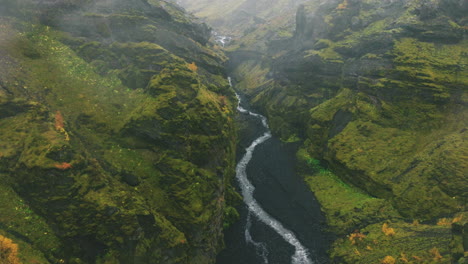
(301, 253)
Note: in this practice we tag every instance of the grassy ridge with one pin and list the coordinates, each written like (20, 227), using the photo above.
(377, 92)
(100, 167)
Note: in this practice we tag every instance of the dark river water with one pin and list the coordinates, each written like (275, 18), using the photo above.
(284, 224)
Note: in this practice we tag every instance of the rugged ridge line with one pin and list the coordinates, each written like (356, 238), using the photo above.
(117, 138)
(376, 91)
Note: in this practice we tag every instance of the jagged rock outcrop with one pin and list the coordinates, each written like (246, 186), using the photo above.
(377, 91)
(117, 138)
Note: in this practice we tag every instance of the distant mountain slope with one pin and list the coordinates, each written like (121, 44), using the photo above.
(384, 66)
(235, 17)
(377, 92)
(117, 141)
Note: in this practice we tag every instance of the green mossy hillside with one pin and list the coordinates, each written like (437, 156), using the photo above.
(411, 243)
(346, 207)
(372, 230)
(117, 152)
(376, 91)
(381, 103)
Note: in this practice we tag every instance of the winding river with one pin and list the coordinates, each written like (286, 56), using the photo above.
(281, 221)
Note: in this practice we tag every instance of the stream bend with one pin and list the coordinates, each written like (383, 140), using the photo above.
(301, 254)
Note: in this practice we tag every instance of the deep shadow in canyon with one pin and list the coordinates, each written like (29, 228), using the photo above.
(284, 195)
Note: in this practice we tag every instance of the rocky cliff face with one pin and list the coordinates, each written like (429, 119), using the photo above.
(117, 138)
(382, 92)
(377, 91)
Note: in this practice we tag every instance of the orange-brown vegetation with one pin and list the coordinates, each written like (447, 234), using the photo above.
(418, 259)
(63, 166)
(356, 251)
(343, 5)
(457, 219)
(59, 125)
(403, 258)
(223, 100)
(192, 66)
(435, 254)
(59, 121)
(388, 260)
(415, 223)
(8, 251)
(355, 237)
(388, 231)
(449, 221)
(444, 222)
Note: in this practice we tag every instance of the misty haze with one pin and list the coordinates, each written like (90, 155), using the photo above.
(233, 131)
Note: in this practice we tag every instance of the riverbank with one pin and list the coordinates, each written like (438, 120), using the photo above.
(371, 230)
(284, 195)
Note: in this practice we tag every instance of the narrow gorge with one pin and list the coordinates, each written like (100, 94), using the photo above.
(374, 95)
(278, 205)
(339, 137)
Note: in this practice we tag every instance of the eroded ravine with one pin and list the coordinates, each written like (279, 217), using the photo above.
(279, 215)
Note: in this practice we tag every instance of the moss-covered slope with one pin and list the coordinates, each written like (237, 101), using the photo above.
(377, 92)
(117, 141)
(385, 106)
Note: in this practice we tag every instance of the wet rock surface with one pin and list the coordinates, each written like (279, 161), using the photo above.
(374, 92)
(284, 195)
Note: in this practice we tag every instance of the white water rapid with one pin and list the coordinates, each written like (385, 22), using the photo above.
(301, 254)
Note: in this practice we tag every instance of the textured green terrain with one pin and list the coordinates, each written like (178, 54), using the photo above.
(117, 140)
(383, 102)
(117, 136)
(377, 92)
